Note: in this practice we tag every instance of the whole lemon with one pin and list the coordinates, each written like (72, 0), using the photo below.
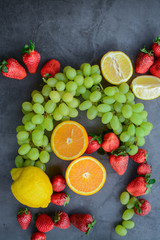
(31, 186)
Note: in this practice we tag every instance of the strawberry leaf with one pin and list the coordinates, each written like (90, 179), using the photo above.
(157, 40)
(90, 226)
(101, 151)
(152, 181)
(23, 210)
(57, 216)
(4, 68)
(149, 52)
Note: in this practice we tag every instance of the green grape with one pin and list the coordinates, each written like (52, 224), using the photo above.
(97, 78)
(19, 161)
(130, 141)
(37, 119)
(40, 127)
(51, 82)
(55, 96)
(119, 130)
(38, 108)
(33, 154)
(140, 141)
(48, 123)
(109, 126)
(50, 106)
(71, 86)
(82, 65)
(60, 86)
(95, 96)
(94, 69)
(34, 92)
(92, 113)
(131, 202)
(74, 103)
(20, 128)
(20, 142)
(120, 230)
(131, 129)
(129, 97)
(139, 132)
(28, 163)
(79, 80)
(103, 108)
(61, 77)
(115, 123)
(109, 91)
(128, 224)
(67, 97)
(138, 107)
(106, 118)
(100, 114)
(128, 214)
(124, 88)
(136, 118)
(73, 112)
(95, 88)
(86, 69)
(26, 118)
(22, 135)
(40, 165)
(46, 90)
(88, 82)
(24, 149)
(57, 115)
(124, 198)
(65, 118)
(37, 137)
(63, 109)
(48, 148)
(86, 95)
(116, 89)
(85, 105)
(73, 93)
(127, 111)
(143, 114)
(71, 73)
(120, 117)
(133, 150)
(79, 72)
(117, 106)
(65, 69)
(27, 106)
(147, 127)
(81, 89)
(108, 100)
(38, 98)
(44, 156)
(124, 137)
(45, 141)
(120, 97)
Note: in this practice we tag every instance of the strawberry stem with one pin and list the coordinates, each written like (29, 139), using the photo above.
(90, 226)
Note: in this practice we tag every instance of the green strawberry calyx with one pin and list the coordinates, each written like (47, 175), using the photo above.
(95, 137)
(90, 226)
(138, 205)
(23, 210)
(149, 183)
(121, 151)
(28, 48)
(3, 66)
(57, 216)
(149, 52)
(157, 40)
(67, 200)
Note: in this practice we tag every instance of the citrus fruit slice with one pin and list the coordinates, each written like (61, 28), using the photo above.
(116, 67)
(146, 87)
(85, 175)
(69, 140)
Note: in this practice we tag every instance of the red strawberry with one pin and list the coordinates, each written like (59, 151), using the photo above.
(84, 222)
(119, 163)
(38, 236)
(31, 58)
(110, 142)
(155, 69)
(144, 61)
(140, 186)
(94, 143)
(140, 156)
(144, 169)
(58, 183)
(142, 207)
(44, 223)
(11, 68)
(61, 220)
(24, 218)
(156, 47)
(60, 199)
(50, 68)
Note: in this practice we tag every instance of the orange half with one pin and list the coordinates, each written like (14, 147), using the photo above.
(85, 175)
(69, 140)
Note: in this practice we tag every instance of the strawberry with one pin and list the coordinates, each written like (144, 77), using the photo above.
(156, 47)
(94, 143)
(140, 156)
(31, 58)
(11, 68)
(119, 163)
(110, 142)
(142, 207)
(140, 186)
(44, 223)
(24, 218)
(144, 169)
(61, 220)
(38, 236)
(84, 222)
(60, 199)
(155, 69)
(58, 183)
(50, 68)
(144, 61)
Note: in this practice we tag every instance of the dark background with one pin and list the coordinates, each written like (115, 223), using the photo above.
(74, 32)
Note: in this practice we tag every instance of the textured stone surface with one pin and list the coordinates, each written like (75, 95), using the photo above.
(74, 32)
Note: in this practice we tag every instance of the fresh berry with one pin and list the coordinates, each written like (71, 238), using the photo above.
(140, 186)
(58, 183)
(60, 199)
(144, 61)
(119, 163)
(44, 223)
(156, 47)
(11, 68)
(38, 236)
(31, 58)
(61, 220)
(24, 218)
(144, 169)
(50, 68)
(94, 143)
(84, 222)
(142, 207)
(110, 142)
(140, 156)
(155, 69)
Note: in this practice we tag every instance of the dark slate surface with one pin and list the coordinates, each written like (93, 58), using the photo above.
(74, 32)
